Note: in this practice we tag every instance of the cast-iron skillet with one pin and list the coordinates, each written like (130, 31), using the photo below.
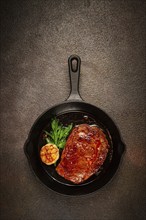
(74, 110)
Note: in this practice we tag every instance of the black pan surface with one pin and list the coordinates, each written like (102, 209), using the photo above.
(74, 110)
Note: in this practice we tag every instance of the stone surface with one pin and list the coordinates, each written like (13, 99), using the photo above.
(37, 37)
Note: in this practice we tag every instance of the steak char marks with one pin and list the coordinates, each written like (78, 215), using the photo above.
(84, 153)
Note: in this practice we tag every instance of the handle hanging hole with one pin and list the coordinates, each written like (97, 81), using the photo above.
(74, 65)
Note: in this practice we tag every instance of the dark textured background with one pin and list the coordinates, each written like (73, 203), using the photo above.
(37, 37)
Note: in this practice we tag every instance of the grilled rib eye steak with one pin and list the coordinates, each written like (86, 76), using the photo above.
(84, 153)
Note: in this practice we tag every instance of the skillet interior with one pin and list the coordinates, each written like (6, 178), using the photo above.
(75, 112)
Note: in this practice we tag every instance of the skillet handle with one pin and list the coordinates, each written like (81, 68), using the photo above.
(74, 63)
(27, 148)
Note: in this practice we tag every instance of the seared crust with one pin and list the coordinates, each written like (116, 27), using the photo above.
(84, 153)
